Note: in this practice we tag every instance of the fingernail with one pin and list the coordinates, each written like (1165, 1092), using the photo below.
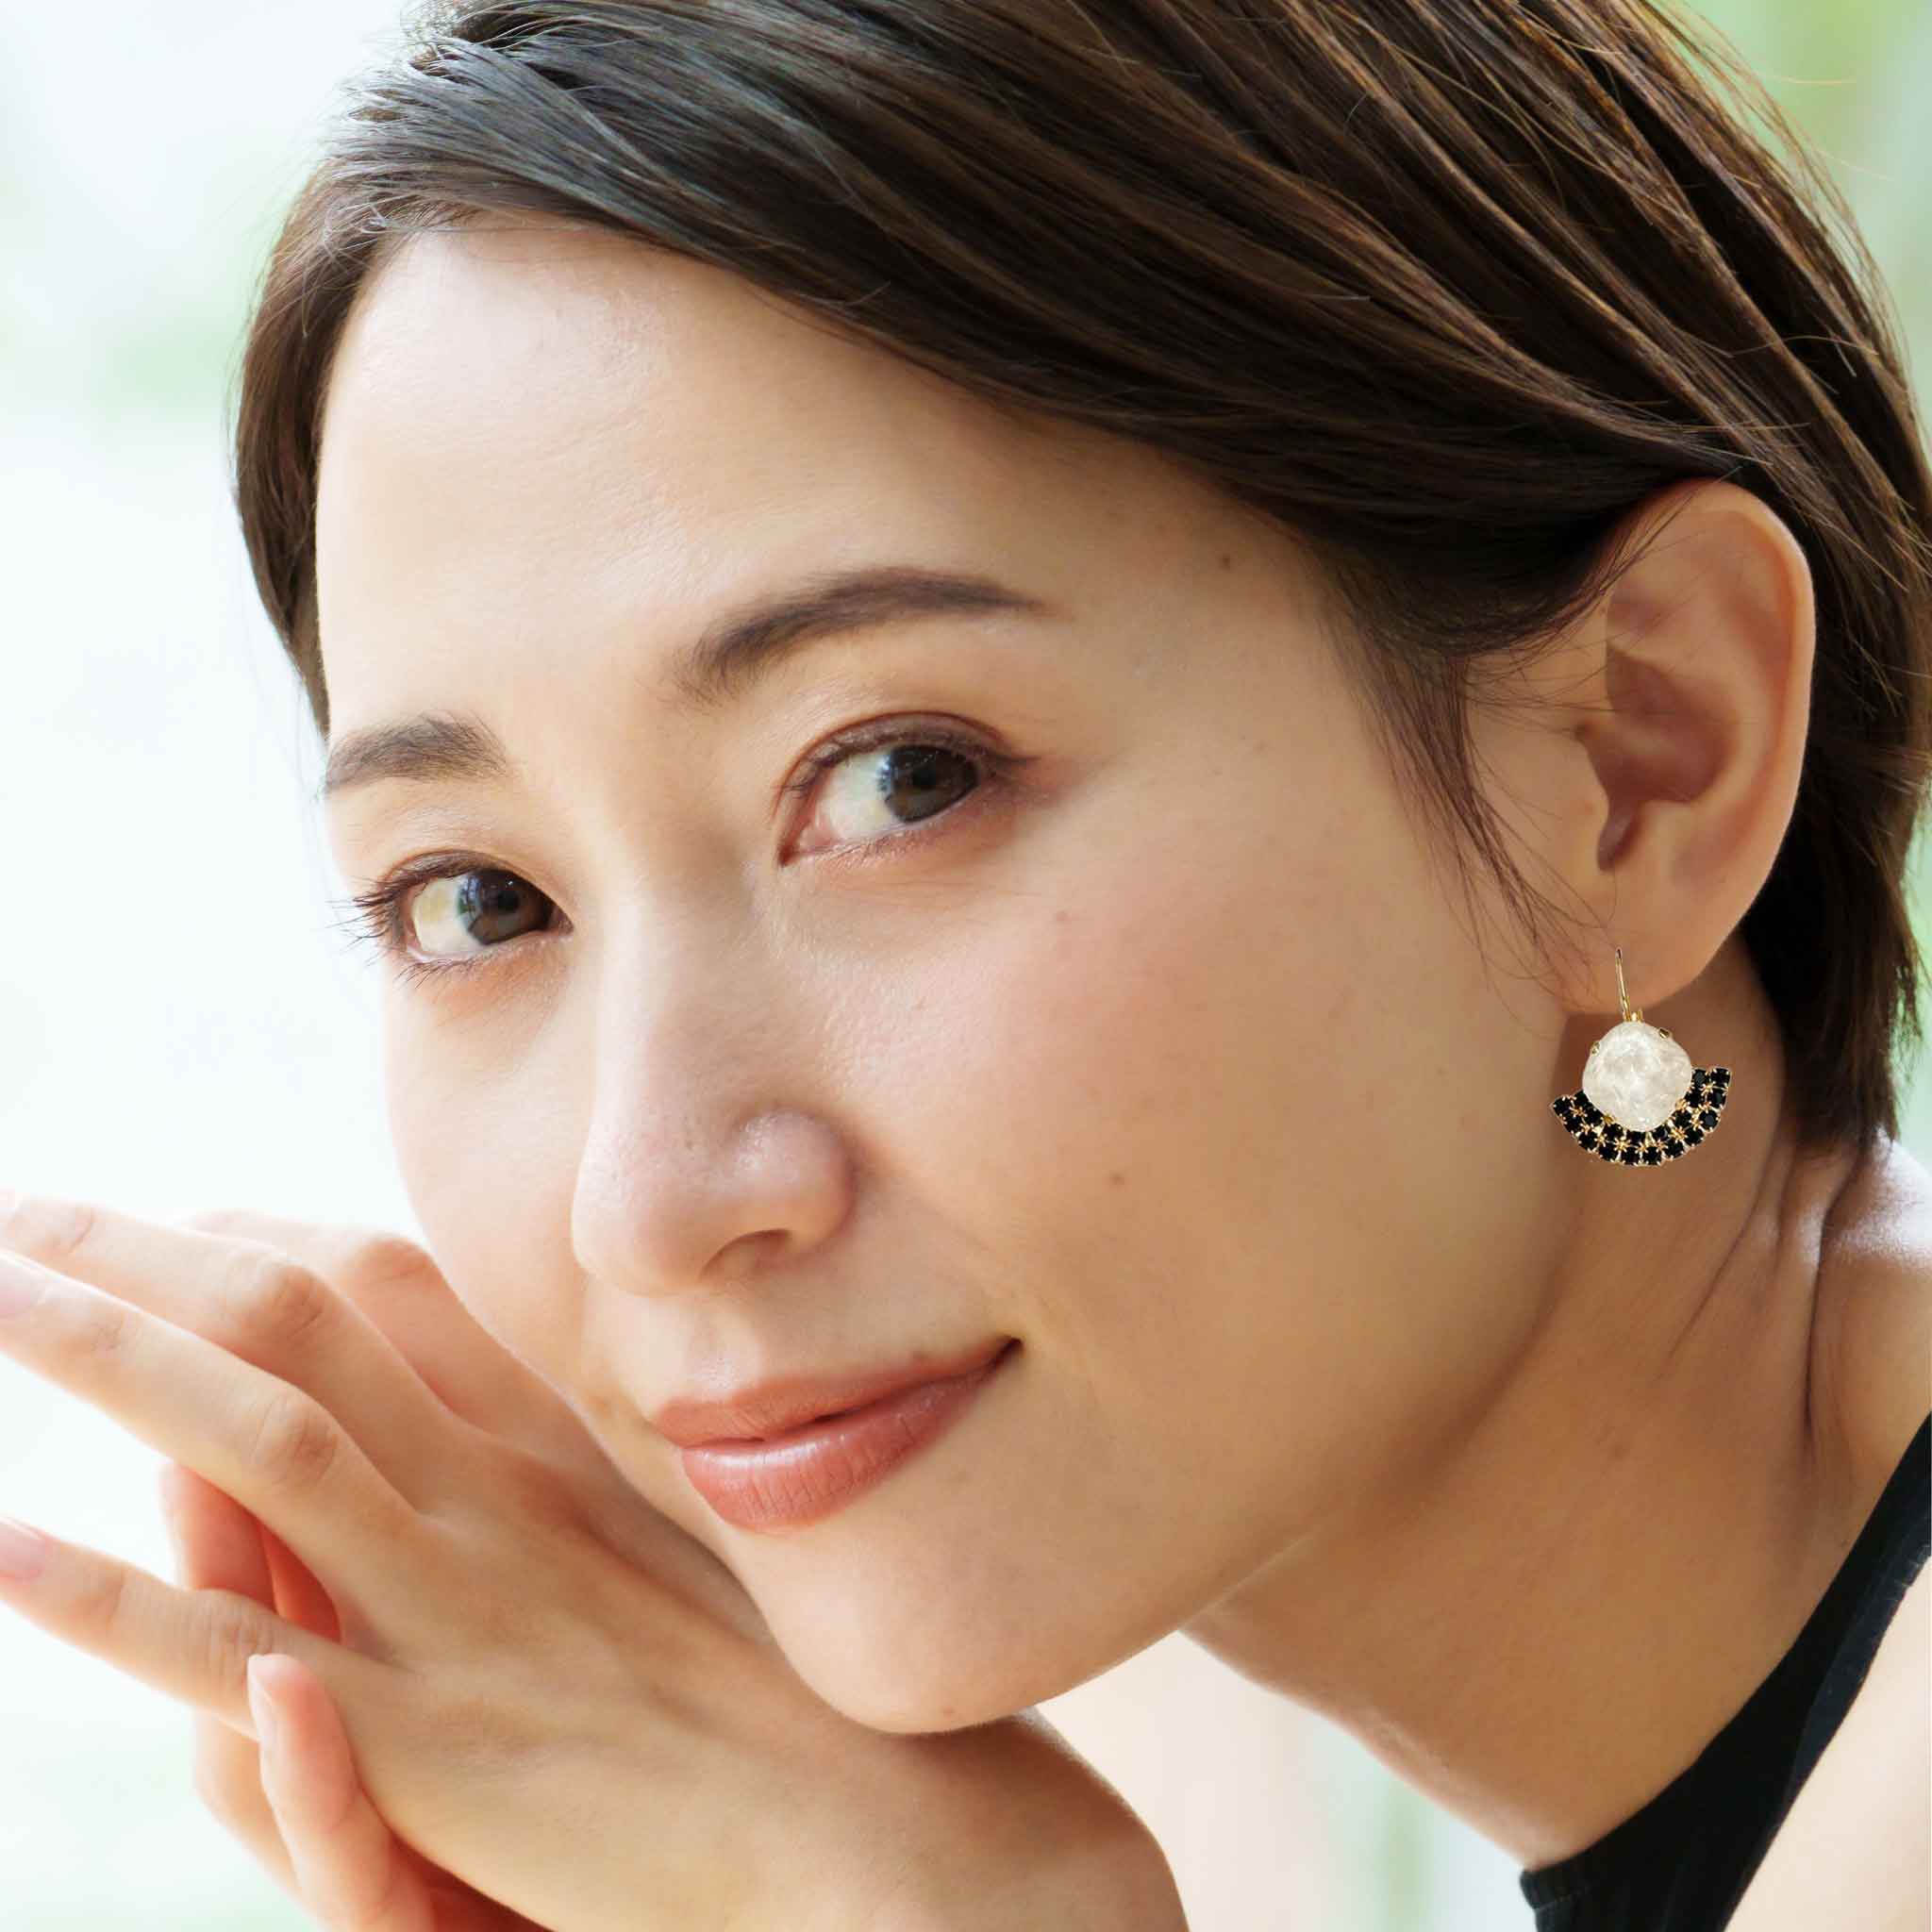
(266, 1726)
(22, 1553)
(21, 1286)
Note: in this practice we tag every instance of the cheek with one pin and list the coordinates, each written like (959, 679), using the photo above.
(1195, 1033)
(1175, 1116)
(466, 1133)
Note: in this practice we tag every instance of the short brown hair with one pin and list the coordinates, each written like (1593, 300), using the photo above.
(1446, 286)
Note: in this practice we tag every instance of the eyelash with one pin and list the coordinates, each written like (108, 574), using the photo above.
(376, 916)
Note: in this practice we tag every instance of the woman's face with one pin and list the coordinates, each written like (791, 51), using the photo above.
(1149, 1040)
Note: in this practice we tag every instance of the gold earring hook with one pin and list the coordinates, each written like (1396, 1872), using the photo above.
(1624, 1005)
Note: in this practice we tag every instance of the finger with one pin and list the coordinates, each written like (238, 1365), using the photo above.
(350, 1867)
(298, 1594)
(216, 1547)
(270, 1445)
(397, 1285)
(191, 1645)
(228, 1548)
(252, 1302)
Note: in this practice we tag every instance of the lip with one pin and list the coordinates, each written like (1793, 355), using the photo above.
(803, 1475)
(783, 1405)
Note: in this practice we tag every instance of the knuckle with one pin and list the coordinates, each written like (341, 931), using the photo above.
(98, 1331)
(379, 1258)
(50, 1228)
(231, 1635)
(100, 1607)
(269, 1296)
(295, 1443)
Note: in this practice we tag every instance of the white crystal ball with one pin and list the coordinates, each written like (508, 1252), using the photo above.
(1637, 1076)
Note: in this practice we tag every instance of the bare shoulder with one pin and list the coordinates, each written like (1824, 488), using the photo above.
(1875, 1357)
(1856, 1848)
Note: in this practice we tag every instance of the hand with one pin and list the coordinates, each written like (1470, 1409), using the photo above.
(295, 1801)
(559, 1700)
(298, 1806)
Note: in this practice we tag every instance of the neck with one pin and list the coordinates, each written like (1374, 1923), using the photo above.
(1546, 1616)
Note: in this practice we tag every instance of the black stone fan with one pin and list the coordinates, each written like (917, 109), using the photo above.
(1696, 1114)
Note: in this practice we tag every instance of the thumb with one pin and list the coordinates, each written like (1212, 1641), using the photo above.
(351, 1869)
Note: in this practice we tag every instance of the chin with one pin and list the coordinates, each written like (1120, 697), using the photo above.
(884, 1708)
(933, 1691)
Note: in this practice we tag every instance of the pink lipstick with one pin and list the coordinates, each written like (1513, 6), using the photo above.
(785, 1481)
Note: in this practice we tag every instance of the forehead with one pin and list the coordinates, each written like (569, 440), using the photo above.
(536, 429)
(573, 348)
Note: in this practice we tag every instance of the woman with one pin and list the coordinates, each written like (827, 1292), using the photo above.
(1015, 687)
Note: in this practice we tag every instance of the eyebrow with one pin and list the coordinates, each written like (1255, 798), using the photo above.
(735, 653)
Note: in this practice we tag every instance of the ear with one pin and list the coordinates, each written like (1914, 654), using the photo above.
(1651, 765)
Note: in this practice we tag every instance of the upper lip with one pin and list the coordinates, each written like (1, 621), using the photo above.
(785, 1402)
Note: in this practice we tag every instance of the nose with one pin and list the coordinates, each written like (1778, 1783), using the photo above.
(672, 1194)
(704, 1157)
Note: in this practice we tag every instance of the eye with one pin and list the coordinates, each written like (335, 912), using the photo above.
(472, 908)
(881, 782)
(454, 913)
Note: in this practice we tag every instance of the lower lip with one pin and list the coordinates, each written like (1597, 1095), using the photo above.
(785, 1481)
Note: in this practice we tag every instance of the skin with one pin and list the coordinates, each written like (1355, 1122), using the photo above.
(1176, 1055)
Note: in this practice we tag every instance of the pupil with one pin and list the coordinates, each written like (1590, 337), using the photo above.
(500, 898)
(913, 767)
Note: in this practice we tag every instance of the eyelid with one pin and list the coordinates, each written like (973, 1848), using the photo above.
(881, 732)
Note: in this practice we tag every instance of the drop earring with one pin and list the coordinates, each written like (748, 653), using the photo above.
(1641, 1102)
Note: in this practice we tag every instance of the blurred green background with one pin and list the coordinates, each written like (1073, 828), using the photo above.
(146, 155)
